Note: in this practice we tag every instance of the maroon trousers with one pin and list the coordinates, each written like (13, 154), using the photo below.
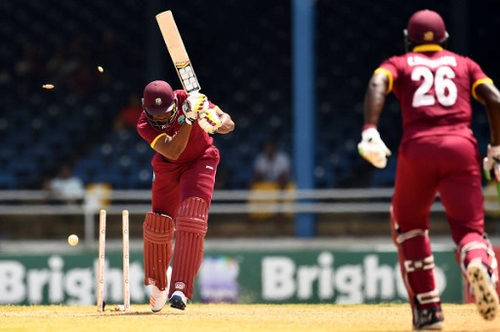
(448, 165)
(184, 192)
(173, 183)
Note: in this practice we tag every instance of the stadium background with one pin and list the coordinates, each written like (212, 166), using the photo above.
(243, 54)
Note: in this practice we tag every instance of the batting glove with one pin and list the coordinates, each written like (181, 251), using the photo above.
(491, 163)
(193, 104)
(209, 121)
(372, 148)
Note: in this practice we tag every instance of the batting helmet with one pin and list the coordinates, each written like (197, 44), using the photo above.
(158, 98)
(426, 27)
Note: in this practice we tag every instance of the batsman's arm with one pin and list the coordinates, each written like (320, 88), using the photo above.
(375, 98)
(489, 96)
(227, 123)
(371, 147)
(171, 147)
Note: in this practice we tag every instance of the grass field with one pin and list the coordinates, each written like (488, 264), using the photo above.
(236, 317)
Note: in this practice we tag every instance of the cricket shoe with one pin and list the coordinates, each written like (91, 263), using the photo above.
(157, 299)
(178, 300)
(483, 289)
(429, 319)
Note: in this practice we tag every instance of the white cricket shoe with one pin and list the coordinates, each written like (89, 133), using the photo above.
(483, 289)
(157, 299)
(178, 300)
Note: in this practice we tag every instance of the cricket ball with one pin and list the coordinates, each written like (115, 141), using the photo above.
(73, 240)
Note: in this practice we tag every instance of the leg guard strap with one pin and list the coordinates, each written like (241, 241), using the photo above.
(411, 234)
(428, 297)
(423, 264)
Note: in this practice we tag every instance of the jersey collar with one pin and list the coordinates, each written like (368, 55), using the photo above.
(428, 48)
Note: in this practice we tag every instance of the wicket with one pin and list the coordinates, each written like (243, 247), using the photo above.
(101, 260)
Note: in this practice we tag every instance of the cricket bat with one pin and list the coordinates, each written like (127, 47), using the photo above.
(177, 51)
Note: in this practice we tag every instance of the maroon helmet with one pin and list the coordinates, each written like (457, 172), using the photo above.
(158, 98)
(425, 27)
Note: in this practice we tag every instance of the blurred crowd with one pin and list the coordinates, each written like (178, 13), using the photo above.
(88, 119)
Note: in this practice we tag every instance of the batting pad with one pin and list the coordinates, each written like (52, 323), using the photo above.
(191, 227)
(158, 233)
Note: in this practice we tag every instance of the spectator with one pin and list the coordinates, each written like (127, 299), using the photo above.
(66, 186)
(272, 165)
(271, 174)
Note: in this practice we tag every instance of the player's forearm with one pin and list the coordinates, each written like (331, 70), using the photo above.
(490, 97)
(494, 116)
(227, 124)
(172, 147)
(375, 98)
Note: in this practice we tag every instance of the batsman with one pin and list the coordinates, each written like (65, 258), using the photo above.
(438, 153)
(177, 126)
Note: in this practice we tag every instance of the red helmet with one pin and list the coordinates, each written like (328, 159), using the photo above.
(158, 98)
(426, 27)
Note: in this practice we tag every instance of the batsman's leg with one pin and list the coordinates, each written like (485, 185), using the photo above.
(158, 232)
(191, 227)
(414, 193)
(417, 270)
(478, 263)
(462, 196)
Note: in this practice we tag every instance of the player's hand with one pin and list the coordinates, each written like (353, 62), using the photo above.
(372, 148)
(193, 104)
(209, 121)
(491, 163)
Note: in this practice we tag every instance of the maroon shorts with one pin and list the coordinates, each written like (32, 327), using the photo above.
(449, 165)
(172, 183)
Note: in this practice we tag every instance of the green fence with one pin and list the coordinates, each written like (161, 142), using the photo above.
(239, 276)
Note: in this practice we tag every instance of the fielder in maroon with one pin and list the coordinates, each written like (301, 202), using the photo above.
(177, 127)
(437, 153)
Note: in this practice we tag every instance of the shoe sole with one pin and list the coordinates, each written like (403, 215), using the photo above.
(176, 302)
(435, 326)
(484, 293)
(152, 303)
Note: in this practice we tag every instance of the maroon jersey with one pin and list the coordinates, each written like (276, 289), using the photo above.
(434, 86)
(198, 141)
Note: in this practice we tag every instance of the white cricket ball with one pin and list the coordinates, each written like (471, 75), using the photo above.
(73, 240)
(100, 69)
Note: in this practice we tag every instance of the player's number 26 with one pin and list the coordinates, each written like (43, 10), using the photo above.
(444, 87)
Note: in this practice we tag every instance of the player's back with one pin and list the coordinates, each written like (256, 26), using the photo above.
(434, 86)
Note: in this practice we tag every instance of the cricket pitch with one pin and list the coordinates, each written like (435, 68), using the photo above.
(236, 317)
